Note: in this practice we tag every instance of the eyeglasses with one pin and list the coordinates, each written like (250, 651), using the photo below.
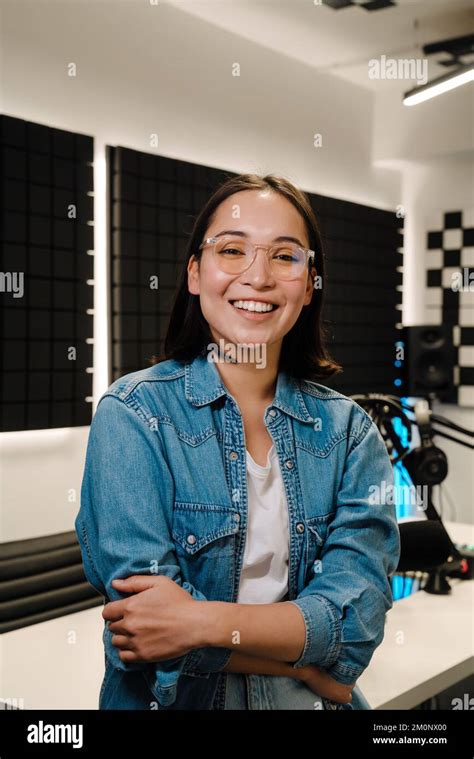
(233, 255)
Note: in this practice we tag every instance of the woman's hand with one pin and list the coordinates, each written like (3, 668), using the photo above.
(322, 684)
(157, 622)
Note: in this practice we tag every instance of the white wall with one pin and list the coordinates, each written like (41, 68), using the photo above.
(439, 127)
(456, 499)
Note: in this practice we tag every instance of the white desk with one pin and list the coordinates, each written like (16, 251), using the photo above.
(428, 644)
(58, 664)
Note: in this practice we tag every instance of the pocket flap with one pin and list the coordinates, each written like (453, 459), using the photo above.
(196, 526)
(318, 527)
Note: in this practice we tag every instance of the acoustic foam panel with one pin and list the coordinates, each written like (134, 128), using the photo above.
(46, 279)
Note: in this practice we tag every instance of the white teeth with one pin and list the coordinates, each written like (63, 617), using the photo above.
(253, 305)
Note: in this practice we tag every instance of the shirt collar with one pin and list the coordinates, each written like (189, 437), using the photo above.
(203, 384)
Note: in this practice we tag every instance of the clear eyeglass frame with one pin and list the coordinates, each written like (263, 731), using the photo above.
(212, 241)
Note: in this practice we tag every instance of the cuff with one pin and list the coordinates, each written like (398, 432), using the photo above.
(323, 631)
(202, 661)
(344, 674)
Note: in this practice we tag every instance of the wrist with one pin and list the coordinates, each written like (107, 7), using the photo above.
(205, 624)
(218, 623)
(301, 673)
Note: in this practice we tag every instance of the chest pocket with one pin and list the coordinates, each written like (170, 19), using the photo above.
(316, 533)
(204, 530)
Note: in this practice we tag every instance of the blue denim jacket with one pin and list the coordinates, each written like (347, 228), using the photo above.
(165, 491)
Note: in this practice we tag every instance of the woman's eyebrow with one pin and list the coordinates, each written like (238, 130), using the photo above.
(282, 238)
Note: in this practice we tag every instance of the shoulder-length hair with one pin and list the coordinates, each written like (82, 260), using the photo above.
(304, 354)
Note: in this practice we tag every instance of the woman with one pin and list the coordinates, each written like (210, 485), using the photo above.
(225, 508)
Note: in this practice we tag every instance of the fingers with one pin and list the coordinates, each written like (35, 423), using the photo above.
(135, 583)
(118, 628)
(125, 652)
(343, 695)
(123, 642)
(129, 657)
(128, 584)
(113, 611)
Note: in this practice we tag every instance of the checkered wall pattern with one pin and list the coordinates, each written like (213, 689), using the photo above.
(449, 293)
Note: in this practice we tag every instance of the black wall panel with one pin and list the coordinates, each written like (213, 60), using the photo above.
(45, 235)
(363, 248)
(153, 202)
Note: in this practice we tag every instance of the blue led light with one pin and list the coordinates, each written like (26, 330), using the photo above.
(402, 587)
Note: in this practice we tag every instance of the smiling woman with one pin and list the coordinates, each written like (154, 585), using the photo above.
(230, 495)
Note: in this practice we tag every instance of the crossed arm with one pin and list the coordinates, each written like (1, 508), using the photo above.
(161, 620)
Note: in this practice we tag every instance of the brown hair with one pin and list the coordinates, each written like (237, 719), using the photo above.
(303, 354)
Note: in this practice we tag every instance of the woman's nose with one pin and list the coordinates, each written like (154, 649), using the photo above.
(259, 270)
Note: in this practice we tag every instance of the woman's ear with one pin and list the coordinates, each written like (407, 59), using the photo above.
(193, 275)
(310, 286)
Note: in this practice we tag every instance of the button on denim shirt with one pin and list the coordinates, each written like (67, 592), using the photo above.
(165, 492)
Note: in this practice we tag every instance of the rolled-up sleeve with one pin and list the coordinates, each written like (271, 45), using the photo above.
(124, 527)
(345, 603)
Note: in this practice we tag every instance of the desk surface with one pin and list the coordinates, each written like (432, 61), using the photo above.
(428, 644)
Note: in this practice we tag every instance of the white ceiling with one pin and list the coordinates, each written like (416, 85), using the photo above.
(343, 41)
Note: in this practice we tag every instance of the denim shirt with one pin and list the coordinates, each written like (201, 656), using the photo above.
(164, 491)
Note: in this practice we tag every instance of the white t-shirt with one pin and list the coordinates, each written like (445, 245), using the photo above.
(264, 577)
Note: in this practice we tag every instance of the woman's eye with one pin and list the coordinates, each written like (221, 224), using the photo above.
(285, 256)
(230, 251)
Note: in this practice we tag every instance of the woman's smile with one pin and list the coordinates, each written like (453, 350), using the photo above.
(254, 310)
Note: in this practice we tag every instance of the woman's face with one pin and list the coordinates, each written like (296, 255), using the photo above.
(263, 216)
